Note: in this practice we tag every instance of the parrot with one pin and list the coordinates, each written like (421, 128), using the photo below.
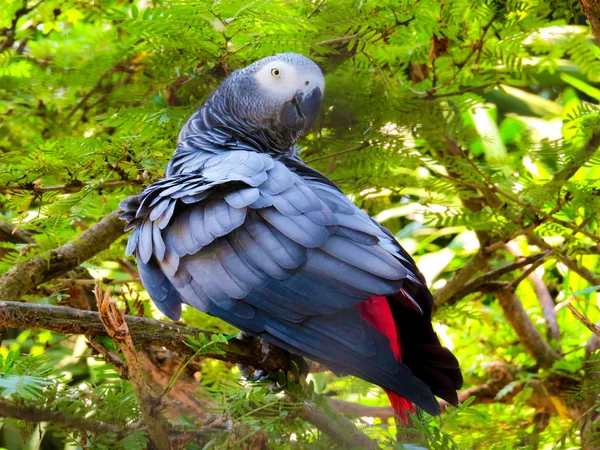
(242, 229)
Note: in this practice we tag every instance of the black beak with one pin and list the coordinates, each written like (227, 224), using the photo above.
(300, 113)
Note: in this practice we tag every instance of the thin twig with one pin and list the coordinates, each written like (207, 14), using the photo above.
(119, 365)
(541, 291)
(310, 14)
(150, 405)
(583, 272)
(477, 47)
(340, 40)
(343, 152)
(431, 96)
(488, 282)
(584, 320)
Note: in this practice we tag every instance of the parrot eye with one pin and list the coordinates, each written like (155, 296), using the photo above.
(275, 73)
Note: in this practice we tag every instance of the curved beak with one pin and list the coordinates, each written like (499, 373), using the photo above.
(300, 113)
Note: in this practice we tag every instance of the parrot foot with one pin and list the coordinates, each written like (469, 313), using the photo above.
(248, 371)
(298, 366)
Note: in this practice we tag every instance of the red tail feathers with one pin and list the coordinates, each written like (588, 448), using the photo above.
(377, 312)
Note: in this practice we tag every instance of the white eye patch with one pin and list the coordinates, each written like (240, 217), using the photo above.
(278, 77)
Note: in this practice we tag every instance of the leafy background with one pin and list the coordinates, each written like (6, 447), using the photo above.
(449, 122)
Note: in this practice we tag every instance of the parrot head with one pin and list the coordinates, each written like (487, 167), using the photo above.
(280, 95)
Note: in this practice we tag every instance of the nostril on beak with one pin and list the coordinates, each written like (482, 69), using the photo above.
(307, 82)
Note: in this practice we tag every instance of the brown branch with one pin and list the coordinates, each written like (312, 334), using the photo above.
(460, 278)
(471, 288)
(488, 281)
(591, 9)
(357, 410)
(337, 427)
(512, 307)
(11, 31)
(340, 40)
(70, 188)
(584, 273)
(585, 321)
(150, 405)
(10, 233)
(343, 152)
(93, 282)
(66, 320)
(541, 291)
(109, 357)
(529, 336)
(25, 276)
(33, 414)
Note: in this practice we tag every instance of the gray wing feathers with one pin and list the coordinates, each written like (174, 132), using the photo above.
(274, 231)
(253, 243)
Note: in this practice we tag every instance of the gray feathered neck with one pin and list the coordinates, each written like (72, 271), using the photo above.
(228, 121)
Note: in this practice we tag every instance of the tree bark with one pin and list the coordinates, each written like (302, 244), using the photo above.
(25, 276)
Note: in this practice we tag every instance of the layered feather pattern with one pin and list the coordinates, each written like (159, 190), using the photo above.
(272, 247)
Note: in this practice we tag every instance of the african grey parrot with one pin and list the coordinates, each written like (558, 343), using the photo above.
(240, 228)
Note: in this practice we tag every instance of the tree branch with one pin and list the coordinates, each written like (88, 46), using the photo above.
(591, 9)
(585, 321)
(460, 278)
(70, 188)
(488, 281)
(584, 273)
(530, 337)
(10, 31)
(66, 320)
(542, 293)
(27, 275)
(10, 233)
(358, 410)
(336, 426)
(32, 414)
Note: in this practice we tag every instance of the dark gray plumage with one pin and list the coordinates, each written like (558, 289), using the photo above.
(242, 229)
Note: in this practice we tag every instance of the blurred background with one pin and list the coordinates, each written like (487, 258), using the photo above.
(468, 128)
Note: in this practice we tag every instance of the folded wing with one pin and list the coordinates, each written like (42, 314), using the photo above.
(278, 251)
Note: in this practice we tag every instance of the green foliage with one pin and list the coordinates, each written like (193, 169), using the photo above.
(93, 94)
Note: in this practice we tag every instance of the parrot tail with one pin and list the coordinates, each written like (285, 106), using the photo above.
(421, 348)
(414, 343)
(377, 312)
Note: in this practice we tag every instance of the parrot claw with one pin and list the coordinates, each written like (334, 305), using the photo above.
(259, 375)
(298, 366)
(249, 372)
(266, 351)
